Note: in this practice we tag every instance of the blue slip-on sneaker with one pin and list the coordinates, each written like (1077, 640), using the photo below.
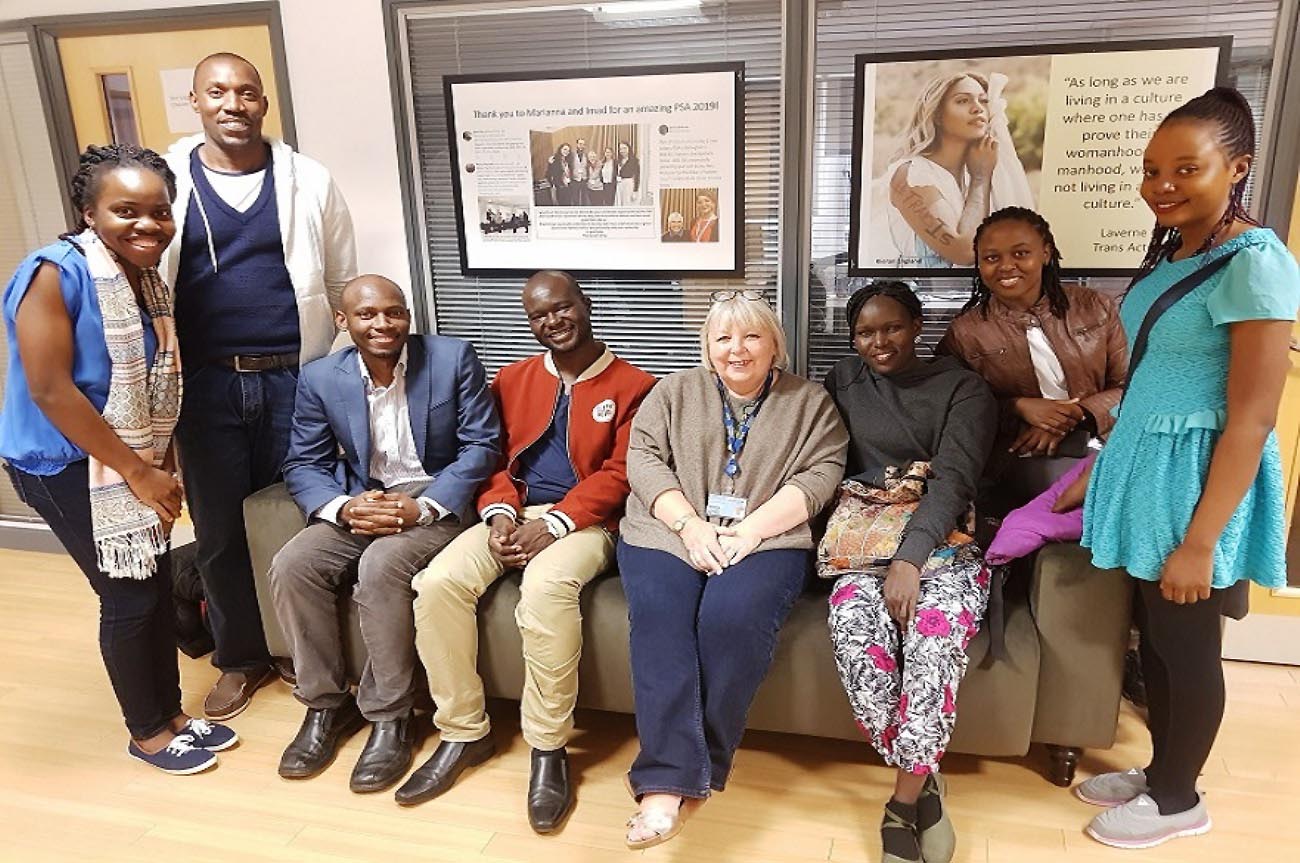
(179, 757)
(212, 736)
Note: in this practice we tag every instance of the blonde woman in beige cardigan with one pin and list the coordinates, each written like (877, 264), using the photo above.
(727, 463)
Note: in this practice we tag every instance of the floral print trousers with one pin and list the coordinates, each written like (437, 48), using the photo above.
(904, 696)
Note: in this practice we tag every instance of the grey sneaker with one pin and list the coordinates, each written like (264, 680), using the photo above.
(1112, 789)
(1139, 824)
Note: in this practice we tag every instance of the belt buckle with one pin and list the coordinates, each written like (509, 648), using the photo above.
(239, 365)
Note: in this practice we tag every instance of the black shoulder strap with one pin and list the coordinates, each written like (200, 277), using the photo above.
(1165, 301)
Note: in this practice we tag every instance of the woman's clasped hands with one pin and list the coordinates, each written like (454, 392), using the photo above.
(1046, 423)
(712, 548)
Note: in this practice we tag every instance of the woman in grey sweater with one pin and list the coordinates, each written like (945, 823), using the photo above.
(727, 463)
(899, 638)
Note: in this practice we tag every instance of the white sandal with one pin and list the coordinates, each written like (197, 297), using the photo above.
(661, 825)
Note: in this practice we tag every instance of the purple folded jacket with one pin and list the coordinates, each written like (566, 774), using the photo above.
(1032, 526)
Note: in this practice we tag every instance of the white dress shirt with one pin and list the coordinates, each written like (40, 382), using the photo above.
(393, 459)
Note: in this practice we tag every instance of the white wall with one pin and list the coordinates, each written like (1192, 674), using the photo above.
(342, 101)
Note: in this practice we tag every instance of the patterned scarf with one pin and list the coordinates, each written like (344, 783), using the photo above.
(141, 409)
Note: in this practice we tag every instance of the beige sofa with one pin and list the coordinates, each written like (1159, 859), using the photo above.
(1066, 634)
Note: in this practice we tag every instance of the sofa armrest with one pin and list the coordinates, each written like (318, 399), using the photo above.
(1083, 615)
(271, 519)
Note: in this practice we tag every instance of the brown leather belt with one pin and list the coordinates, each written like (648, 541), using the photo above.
(261, 362)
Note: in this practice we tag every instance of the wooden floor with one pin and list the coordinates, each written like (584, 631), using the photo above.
(69, 792)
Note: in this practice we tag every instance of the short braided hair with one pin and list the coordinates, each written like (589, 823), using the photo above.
(900, 292)
(1057, 301)
(1233, 123)
(97, 161)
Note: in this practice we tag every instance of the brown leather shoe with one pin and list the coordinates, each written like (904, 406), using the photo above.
(283, 666)
(233, 691)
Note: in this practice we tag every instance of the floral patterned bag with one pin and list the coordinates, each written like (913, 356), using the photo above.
(867, 524)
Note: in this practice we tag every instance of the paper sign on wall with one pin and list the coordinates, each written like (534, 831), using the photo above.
(176, 85)
(598, 171)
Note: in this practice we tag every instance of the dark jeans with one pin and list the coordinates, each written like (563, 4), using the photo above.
(136, 623)
(232, 437)
(701, 645)
(1182, 665)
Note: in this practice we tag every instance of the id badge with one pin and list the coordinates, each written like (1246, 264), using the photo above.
(726, 506)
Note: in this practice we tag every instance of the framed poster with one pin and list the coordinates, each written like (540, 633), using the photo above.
(632, 171)
(942, 139)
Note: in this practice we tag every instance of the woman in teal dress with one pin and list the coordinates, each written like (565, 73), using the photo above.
(1145, 489)
(1188, 493)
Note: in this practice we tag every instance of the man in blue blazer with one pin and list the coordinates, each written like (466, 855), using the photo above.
(391, 439)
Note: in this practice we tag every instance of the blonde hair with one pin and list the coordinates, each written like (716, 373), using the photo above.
(748, 314)
(922, 133)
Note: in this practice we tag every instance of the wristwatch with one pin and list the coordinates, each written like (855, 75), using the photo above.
(428, 515)
(680, 525)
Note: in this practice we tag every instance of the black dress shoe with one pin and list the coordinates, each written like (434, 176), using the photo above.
(550, 793)
(386, 756)
(318, 740)
(442, 769)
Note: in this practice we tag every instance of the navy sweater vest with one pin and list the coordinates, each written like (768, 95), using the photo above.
(242, 302)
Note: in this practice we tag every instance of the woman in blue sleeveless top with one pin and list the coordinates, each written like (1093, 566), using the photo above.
(91, 396)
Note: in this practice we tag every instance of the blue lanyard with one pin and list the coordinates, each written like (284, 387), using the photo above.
(738, 430)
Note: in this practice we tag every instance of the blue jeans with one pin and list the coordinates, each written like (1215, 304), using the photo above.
(136, 617)
(232, 436)
(701, 645)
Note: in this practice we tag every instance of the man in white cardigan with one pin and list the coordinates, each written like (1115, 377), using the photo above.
(263, 245)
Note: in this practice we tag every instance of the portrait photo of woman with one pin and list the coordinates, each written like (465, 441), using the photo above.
(952, 160)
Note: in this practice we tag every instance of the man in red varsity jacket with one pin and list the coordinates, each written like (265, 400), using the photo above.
(551, 510)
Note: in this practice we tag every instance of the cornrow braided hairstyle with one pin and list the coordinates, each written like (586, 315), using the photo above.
(980, 293)
(900, 292)
(1233, 122)
(98, 161)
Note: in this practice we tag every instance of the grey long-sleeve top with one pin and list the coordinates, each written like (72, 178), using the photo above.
(937, 411)
(678, 442)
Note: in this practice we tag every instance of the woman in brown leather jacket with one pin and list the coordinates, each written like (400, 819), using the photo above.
(1054, 355)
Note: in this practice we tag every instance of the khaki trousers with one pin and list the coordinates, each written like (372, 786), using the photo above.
(446, 631)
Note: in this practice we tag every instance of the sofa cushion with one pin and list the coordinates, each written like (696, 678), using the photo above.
(271, 519)
(1083, 616)
(995, 705)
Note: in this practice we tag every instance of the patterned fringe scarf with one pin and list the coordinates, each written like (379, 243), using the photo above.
(142, 407)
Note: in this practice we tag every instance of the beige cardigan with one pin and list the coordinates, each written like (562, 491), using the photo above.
(678, 442)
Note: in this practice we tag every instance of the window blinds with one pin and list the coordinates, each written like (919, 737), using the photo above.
(31, 213)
